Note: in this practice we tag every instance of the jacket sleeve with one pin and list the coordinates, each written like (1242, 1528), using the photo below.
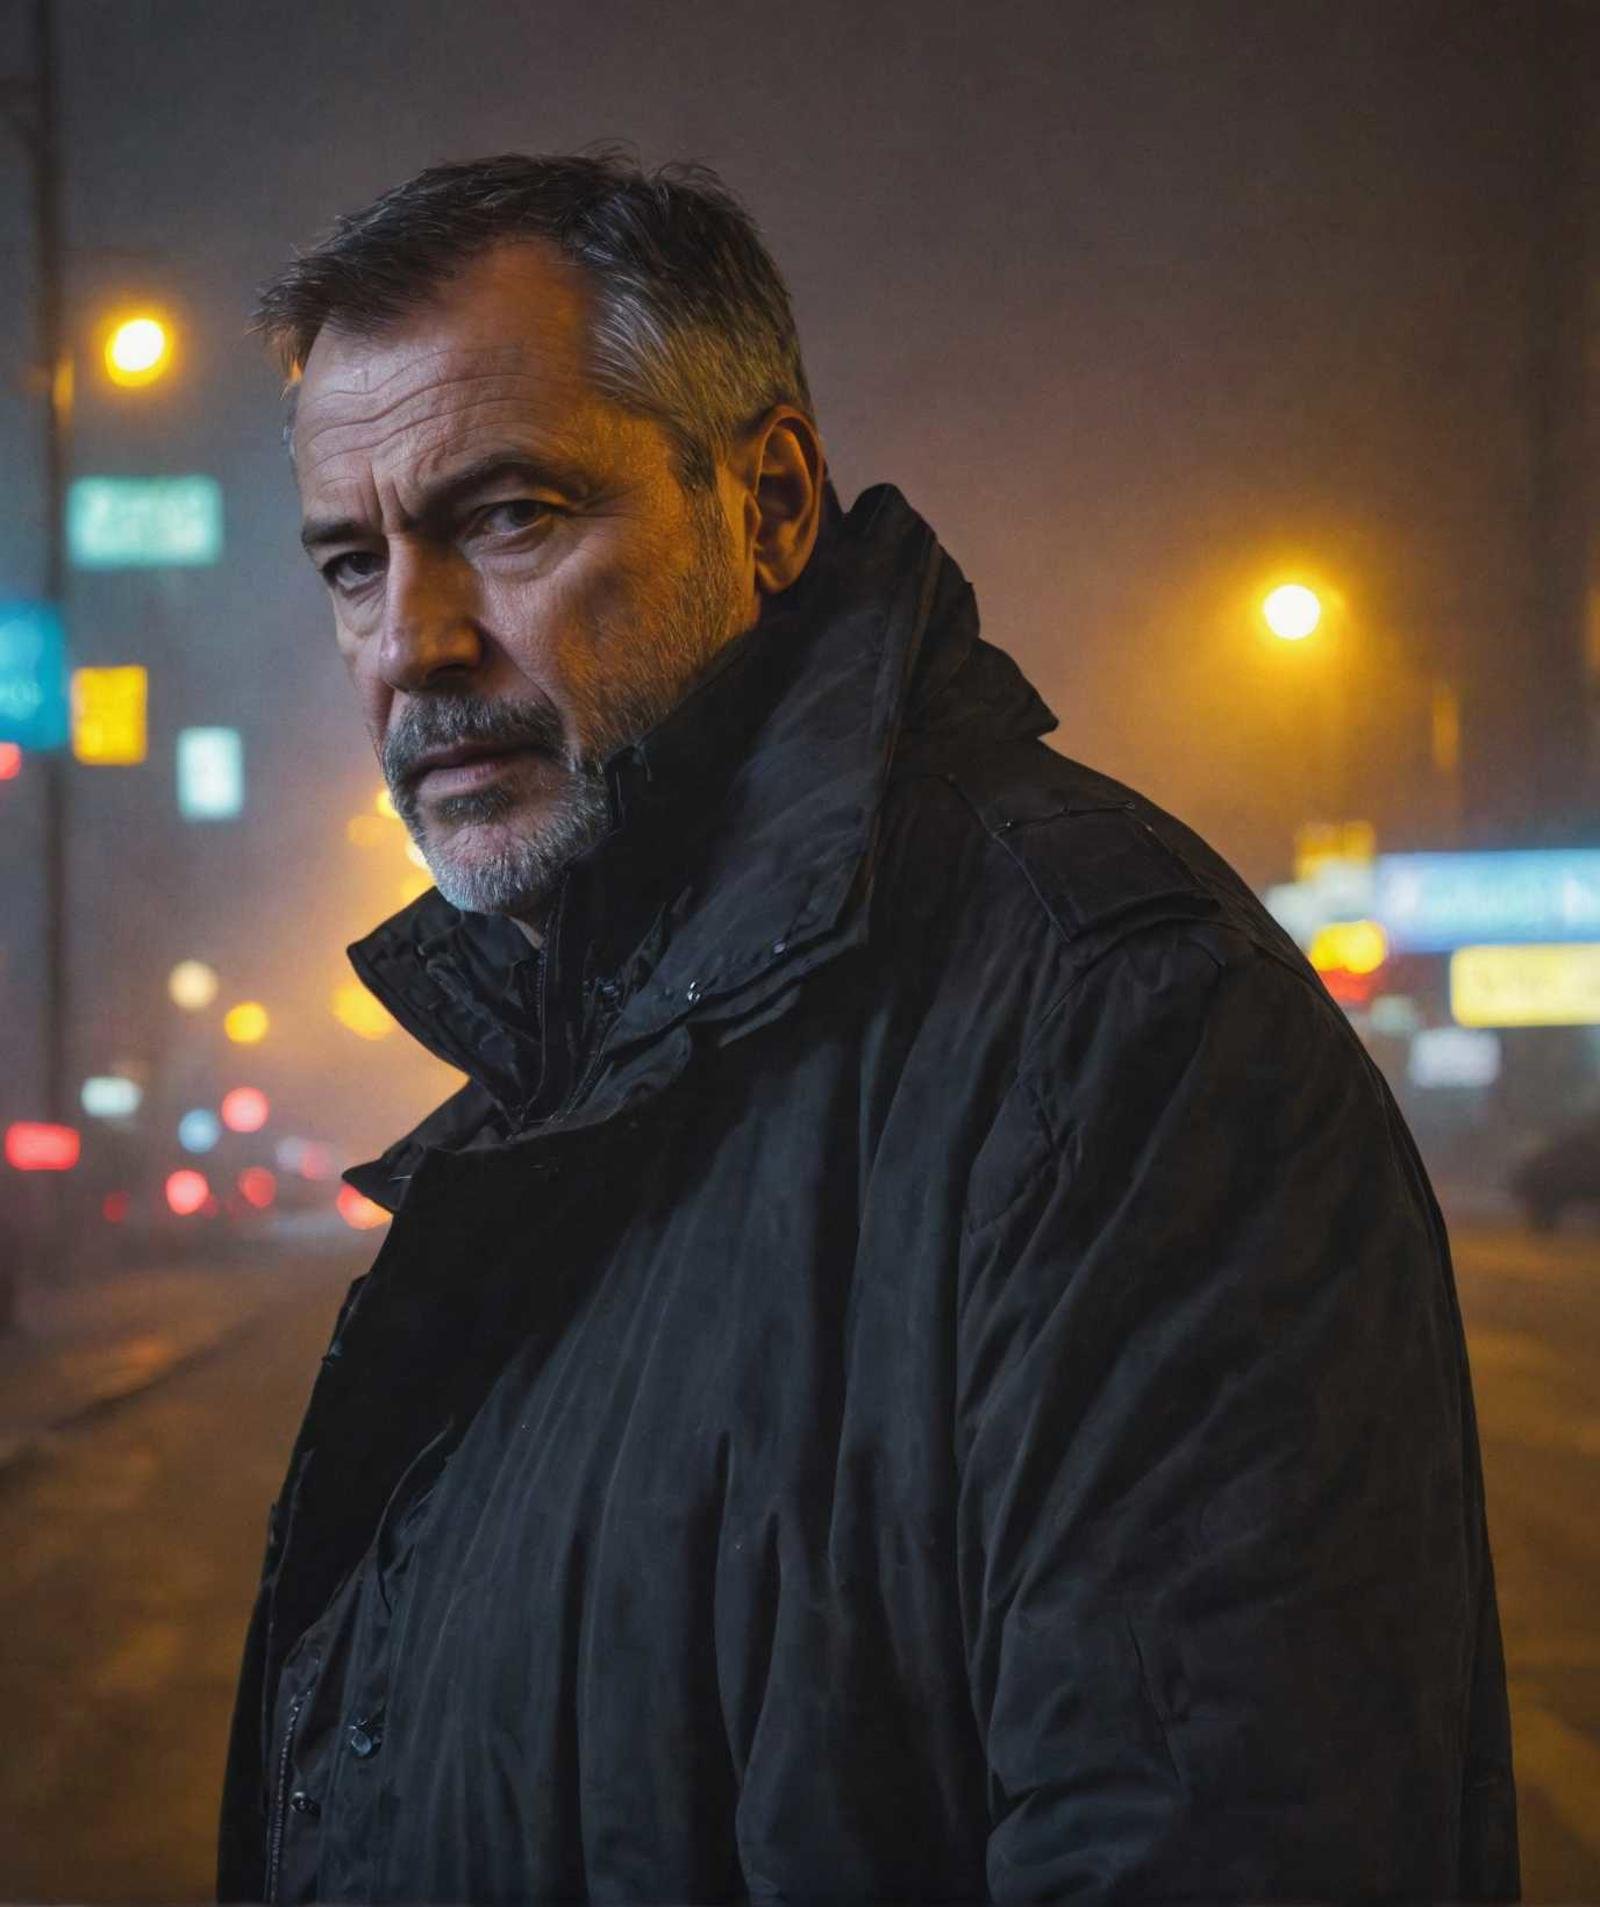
(1224, 1575)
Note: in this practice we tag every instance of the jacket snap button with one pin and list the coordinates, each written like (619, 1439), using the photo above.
(303, 1803)
(780, 946)
(692, 992)
(363, 1739)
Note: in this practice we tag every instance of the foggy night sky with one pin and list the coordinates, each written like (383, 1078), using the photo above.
(1133, 301)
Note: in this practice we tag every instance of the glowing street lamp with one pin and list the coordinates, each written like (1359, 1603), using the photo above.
(1292, 612)
(138, 350)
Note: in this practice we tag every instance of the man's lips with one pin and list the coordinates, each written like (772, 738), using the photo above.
(454, 770)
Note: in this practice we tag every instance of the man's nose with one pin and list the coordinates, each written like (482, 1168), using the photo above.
(429, 619)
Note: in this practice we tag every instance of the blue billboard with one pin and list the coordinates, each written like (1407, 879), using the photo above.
(1434, 903)
(34, 704)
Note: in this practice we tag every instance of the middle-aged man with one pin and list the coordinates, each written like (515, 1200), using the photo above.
(922, 1363)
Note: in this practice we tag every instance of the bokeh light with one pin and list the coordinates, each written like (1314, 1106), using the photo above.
(110, 1096)
(187, 1191)
(199, 1129)
(257, 1186)
(35, 1146)
(358, 1211)
(246, 1024)
(355, 1008)
(192, 985)
(245, 1109)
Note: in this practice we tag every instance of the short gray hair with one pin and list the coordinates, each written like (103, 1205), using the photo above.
(693, 324)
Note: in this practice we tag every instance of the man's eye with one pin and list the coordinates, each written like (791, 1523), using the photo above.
(516, 513)
(351, 569)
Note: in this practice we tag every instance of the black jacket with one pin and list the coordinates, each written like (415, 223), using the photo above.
(922, 1366)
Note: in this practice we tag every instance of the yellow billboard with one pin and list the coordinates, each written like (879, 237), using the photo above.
(1546, 985)
(108, 716)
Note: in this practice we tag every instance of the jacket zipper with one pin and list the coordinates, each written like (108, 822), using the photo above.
(606, 1015)
(280, 1801)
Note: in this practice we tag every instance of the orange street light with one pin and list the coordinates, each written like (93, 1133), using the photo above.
(1292, 611)
(138, 350)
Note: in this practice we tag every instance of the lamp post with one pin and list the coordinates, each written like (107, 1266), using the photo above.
(1294, 613)
(57, 370)
(138, 351)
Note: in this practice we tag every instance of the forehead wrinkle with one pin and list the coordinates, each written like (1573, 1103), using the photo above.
(419, 368)
(424, 405)
(399, 465)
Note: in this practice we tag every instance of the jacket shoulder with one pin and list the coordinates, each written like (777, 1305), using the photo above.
(1099, 859)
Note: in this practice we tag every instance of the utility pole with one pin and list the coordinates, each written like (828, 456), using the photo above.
(55, 363)
(31, 103)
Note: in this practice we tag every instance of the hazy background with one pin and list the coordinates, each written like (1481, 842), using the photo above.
(1135, 302)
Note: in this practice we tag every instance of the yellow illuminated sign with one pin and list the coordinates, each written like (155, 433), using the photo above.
(1351, 946)
(1549, 985)
(108, 716)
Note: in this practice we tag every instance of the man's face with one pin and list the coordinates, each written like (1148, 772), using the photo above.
(520, 581)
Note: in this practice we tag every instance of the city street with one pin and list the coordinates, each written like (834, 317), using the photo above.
(132, 1540)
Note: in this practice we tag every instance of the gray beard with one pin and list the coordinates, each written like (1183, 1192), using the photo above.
(518, 874)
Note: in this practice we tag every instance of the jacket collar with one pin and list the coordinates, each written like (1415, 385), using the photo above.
(740, 855)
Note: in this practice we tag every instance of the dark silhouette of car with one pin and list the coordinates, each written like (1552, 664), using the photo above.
(1561, 1171)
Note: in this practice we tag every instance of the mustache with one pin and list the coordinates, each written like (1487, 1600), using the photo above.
(449, 721)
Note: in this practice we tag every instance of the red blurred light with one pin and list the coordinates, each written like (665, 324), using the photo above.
(1350, 989)
(358, 1211)
(258, 1186)
(33, 1147)
(245, 1109)
(115, 1207)
(10, 761)
(187, 1191)
(316, 1162)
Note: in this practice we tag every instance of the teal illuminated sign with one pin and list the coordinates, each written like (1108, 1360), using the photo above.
(210, 773)
(144, 522)
(1434, 903)
(33, 676)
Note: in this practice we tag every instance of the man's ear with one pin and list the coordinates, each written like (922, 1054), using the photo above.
(780, 469)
